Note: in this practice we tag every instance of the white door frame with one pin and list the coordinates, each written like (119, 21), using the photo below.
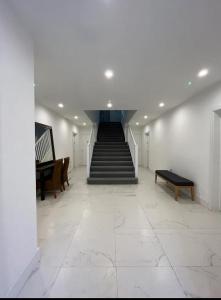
(147, 134)
(215, 160)
(74, 134)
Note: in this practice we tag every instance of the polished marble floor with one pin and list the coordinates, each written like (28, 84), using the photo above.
(125, 241)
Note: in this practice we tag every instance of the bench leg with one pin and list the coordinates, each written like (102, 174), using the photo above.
(155, 178)
(192, 193)
(177, 191)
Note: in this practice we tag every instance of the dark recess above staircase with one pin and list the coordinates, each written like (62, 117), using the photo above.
(111, 161)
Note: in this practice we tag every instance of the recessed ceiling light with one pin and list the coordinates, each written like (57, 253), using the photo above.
(109, 104)
(161, 104)
(137, 123)
(146, 117)
(203, 73)
(76, 117)
(61, 105)
(109, 74)
(84, 124)
(189, 83)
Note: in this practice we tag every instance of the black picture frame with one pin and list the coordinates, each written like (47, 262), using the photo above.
(51, 135)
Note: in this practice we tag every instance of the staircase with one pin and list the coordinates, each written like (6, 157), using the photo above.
(111, 161)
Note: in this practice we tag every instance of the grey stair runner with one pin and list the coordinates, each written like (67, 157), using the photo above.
(111, 161)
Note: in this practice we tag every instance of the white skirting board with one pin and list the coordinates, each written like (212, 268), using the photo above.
(32, 267)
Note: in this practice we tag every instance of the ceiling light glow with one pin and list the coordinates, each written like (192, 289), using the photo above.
(109, 74)
(84, 124)
(162, 104)
(203, 73)
(109, 105)
(61, 105)
(146, 117)
(76, 117)
(137, 123)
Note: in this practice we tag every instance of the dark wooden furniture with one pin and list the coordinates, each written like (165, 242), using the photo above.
(64, 176)
(43, 170)
(177, 181)
(55, 183)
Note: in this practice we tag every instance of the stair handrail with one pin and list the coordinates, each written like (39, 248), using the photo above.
(90, 147)
(133, 149)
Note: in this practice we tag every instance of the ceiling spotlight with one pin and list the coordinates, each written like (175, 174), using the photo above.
(109, 74)
(161, 104)
(189, 83)
(137, 123)
(76, 117)
(61, 105)
(84, 124)
(203, 73)
(146, 117)
(109, 105)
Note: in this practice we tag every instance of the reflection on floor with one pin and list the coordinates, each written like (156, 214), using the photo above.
(126, 241)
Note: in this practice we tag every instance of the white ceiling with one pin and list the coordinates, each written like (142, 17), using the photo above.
(154, 47)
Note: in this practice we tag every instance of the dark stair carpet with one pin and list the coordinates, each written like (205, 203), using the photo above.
(111, 161)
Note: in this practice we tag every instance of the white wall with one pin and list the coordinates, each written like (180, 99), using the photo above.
(84, 136)
(181, 140)
(62, 133)
(18, 234)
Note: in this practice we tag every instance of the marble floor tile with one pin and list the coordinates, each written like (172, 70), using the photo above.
(53, 250)
(200, 282)
(139, 248)
(125, 241)
(87, 250)
(166, 217)
(39, 283)
(202, 218)
(148, 283)
(85, 283)
(126, 218)
(190, 248)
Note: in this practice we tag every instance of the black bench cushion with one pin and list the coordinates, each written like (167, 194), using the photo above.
(174, 178)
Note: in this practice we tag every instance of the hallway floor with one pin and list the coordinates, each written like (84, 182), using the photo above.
(125, 241)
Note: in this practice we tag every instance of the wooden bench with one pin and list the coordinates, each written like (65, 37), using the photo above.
(177, 181)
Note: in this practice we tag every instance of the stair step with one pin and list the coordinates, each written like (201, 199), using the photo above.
(115, 174)
(99, 150)
(111, 153)
(112, 168)
(118, 180)
(110, 140)
(111, 163)
(113, 158)
(112, 147)
(111, 143)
